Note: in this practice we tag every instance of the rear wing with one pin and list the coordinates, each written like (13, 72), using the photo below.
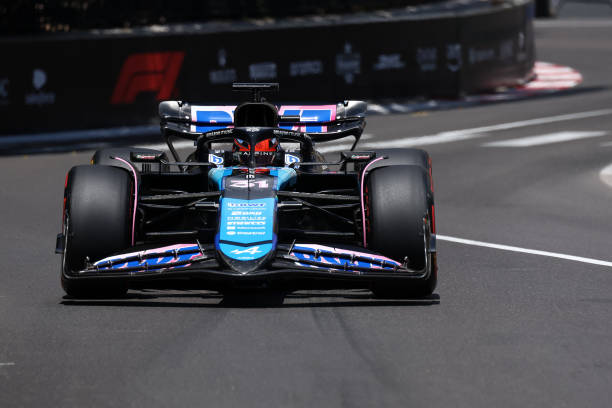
(320, 122)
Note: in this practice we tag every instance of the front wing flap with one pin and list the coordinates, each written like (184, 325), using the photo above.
(194, 260)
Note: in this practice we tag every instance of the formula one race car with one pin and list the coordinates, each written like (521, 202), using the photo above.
(253, 206)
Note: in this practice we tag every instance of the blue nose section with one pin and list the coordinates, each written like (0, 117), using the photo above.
(246, 228)
(246, 236)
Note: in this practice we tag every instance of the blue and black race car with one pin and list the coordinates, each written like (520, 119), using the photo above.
(253, 206)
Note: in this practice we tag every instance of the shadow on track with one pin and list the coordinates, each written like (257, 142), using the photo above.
(262, 299)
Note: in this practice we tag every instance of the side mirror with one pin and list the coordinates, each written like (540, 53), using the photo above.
(146, 157)
(174, 111)
(352, 109)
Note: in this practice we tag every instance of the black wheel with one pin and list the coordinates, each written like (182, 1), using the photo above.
(98, 222)
(409, 157)
(413, 157)
(399, 219)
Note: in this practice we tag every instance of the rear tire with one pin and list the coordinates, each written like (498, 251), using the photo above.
(97, 224)
(397, 208)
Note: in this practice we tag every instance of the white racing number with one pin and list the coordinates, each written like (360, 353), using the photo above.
(249, 183)
(251, 250)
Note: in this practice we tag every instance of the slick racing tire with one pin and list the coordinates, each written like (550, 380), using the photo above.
(97, 223)
(397, 212)
(409, 157)
(414, 157)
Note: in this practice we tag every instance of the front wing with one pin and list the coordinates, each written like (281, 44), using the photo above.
(297, 261)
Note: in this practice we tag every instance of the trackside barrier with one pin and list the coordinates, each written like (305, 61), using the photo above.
(115, 78)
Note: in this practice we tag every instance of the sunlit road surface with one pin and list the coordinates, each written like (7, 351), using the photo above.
(511, 325)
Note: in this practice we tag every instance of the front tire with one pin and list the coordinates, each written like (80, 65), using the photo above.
(97, 224)
(405, 157)
(399, 219)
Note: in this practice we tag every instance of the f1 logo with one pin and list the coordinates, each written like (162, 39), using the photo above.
(147, 72)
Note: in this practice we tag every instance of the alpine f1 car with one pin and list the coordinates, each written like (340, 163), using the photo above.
(253, 206)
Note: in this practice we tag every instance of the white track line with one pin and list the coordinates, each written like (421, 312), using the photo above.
(571, 23)
(7, 364)
(378, 108)
(555, 70)
(538, 121)
(399, 107)
(442, 137)
(551, 85)
(465, 134)
(558, 76)
(605, 175)
(339, 145)
(549, 138)
(183, 144)
(334, 148)
(524, 250)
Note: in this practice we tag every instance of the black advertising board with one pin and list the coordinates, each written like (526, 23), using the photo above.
(71, 82)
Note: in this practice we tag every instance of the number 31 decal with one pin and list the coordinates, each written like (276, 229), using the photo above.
(249, 183)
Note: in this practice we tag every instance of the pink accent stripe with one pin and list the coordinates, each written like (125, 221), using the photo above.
(148, 251)
(347, 251)
(332, 108)
(229, 109)
(135, 193)
(365, 243)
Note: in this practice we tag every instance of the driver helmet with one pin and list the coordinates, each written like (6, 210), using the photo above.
(265, 151)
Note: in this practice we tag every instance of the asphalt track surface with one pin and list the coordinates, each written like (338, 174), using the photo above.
(504, 329)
